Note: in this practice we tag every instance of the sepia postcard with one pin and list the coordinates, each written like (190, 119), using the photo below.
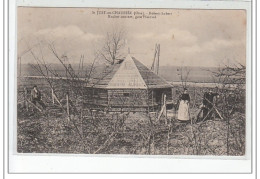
(131, 81)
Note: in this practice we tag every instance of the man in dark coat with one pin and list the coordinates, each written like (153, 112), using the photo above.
(36, 97)
(208, 104)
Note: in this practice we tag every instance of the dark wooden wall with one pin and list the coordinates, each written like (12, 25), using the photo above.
(96, 96)
(127, 98)
(155, 95)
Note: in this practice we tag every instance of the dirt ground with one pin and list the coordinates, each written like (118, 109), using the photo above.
(127, 134)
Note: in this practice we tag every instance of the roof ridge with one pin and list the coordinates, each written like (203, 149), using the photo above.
(127, 76)
(135, 60)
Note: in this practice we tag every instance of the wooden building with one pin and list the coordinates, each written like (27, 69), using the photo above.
(127, 86)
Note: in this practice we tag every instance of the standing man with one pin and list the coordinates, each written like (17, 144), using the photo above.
(208, 104)
(36, 97)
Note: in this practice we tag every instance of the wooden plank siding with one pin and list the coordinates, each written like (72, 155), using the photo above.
(95, 96)
(127, 98)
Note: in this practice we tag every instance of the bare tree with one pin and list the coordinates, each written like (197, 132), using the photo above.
(231, 75)
(232, 80)
(113, 46)
(184, 73)
(71, 86)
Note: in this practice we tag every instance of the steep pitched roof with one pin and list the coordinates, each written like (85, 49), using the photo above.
(130, 74)
(103, 76)
(151, 79)
(127, 76)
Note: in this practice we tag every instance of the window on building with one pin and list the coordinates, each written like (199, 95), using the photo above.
(126, 94)
(95, 92)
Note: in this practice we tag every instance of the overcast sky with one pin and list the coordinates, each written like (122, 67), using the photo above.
(187, 37)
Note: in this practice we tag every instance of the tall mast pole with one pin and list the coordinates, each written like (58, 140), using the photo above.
(158, 58)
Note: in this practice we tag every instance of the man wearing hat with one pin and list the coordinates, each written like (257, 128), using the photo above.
(208, 104)
(36, 97)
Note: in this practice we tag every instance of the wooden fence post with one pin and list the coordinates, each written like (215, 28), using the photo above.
(165, 108)
(24, 96)
(25, 99)
(52, 95)
(68, 109)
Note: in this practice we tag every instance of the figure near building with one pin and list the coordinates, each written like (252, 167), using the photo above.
(36, 97)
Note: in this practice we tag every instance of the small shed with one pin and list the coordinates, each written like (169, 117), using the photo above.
(128, 86)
